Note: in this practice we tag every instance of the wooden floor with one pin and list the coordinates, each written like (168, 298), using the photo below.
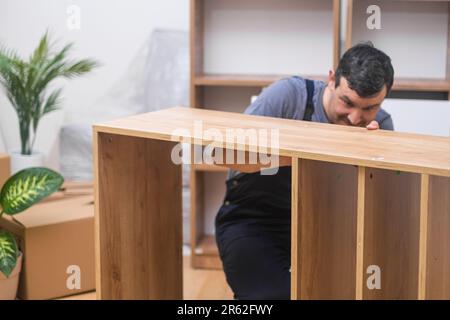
(198, 285)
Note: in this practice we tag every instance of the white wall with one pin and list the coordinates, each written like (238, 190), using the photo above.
(420, 116)
(111, 31)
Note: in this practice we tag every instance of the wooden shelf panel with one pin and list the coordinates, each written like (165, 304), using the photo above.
(244, 80)
(437, 236)
(391, 233)
(405, 84)
(435, 85)
(325, 234)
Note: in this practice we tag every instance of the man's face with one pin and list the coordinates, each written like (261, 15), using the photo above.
(346, 107)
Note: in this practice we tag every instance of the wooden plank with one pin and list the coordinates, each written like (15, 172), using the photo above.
(349, 31)
(423, 234)
(360, 233)
(196, 217)
(295, 245)
(391, 233)
(196, 49)
(197, 96)
(417, 84)
(327, 230)
(245, 80)
(196, 210)
(139, 220)
(301, 139)
(336, 32)
(197, 33)
(98, 259)
(438, 249)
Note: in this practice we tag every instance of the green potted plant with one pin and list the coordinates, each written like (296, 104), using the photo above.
(20, 192)
(25, 83)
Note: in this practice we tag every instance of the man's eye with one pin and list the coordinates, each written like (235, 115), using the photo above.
(348, 104)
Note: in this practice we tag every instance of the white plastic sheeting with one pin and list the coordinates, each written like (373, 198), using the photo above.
(76, 152)
(157, 78)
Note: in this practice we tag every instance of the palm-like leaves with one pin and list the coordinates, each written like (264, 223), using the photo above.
(25, 84)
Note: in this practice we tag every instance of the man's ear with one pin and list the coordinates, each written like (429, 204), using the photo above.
(331, 79)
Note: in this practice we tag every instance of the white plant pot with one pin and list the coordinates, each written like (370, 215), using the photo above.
(20, 161)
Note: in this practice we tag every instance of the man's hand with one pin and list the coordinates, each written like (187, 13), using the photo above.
(373, 125)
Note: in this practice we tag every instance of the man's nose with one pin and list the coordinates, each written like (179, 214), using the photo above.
(355, 117)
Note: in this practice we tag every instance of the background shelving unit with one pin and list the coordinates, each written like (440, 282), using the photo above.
(239, 47)
(416, 35)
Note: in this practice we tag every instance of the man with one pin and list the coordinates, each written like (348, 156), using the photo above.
(253, 224)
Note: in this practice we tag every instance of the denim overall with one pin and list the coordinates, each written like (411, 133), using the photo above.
(253, 228)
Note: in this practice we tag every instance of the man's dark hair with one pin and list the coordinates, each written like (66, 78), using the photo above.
(366, 70)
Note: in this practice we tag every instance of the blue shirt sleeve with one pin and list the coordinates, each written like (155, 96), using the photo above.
(277, 100)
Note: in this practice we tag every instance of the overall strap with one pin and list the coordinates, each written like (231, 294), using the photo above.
(309, 110)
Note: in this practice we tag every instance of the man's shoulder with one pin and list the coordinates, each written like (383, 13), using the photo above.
(296, 83)
(284, 98)
(279, 99)
(290, 89)
(293, 84)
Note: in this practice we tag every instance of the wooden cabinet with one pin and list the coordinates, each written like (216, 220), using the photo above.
(361, 201)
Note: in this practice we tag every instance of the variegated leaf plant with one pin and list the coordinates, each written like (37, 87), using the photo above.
(20, 192)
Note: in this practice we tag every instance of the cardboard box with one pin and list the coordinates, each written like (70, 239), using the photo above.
(5, 168)
(57, 240)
